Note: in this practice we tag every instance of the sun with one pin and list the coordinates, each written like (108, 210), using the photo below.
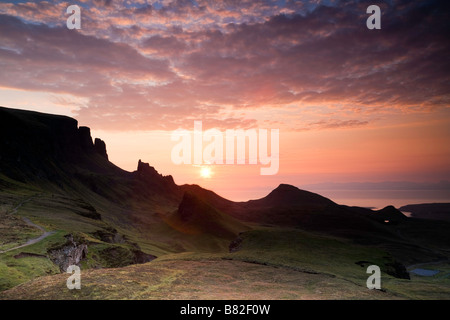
(205, 172)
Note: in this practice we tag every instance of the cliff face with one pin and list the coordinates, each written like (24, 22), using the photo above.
(53, 153)
(71, 253)
(35, 146)
(146, 171)
(85, 139)
(100, 148)
(146, 179)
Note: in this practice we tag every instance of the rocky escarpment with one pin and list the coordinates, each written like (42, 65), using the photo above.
(100, 148)
(146, 180)
(142, 257)
(48, 149)
(70, 253)
(109, 235)
(144, 170)
(115, 252)
(85, 139)
(120, 256)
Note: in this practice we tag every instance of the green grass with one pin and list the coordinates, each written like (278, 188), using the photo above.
(58, 213)
(334, 258)
(301, 251)
(178, 279)
(14, 231)
(16, 271)
(271, 263)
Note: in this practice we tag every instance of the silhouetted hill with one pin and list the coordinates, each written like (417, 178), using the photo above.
(195, 216)
(288, 206)
(287, 195)
(434, 211)
(44, 150)
(36, 146)
(50, 151)
(390, 214)
(51, 154)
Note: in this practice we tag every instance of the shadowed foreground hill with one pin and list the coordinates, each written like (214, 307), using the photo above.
(50, 154)
(434, 211)
(196, 217)
(189, 280)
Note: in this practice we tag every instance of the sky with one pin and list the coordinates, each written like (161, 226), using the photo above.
(351, 104)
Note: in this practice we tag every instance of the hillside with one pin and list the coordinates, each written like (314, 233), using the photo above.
(53, 175)
(434, 211)
(63, 202)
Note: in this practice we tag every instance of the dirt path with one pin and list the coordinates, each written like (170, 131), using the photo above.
(31, 224)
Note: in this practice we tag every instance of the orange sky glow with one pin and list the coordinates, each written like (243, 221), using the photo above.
(351, 104)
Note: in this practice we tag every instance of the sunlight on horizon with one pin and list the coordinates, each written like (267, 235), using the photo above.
(206, 172)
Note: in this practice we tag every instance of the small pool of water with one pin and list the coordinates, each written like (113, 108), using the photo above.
(425, 272)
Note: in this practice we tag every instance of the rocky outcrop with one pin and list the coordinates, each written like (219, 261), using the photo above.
(85, 209)
(84, 135)
(236, 244)
(109, 235)
(388, 215)
(147, 178)
(145, 170)
(100, 148)
(142, 257)
(85, 140)
(71, 253)
(398, 270)
(197, 217)
(121, 256)
(37, 146)
(393, 268)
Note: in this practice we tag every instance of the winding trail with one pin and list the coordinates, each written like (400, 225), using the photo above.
(31, 224)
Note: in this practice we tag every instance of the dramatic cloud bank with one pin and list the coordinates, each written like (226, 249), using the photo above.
(152, 65)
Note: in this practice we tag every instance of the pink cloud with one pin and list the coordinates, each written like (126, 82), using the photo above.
(136, 64)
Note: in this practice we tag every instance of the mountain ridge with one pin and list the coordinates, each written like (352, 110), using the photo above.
(150, 202)
(72, 157)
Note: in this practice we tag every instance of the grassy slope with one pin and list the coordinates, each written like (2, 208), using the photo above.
(64, 212)
(272, 263)
(54, 212)
(195, 280)
(322, 266)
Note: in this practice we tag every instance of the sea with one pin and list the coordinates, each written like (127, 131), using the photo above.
(378, 199)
